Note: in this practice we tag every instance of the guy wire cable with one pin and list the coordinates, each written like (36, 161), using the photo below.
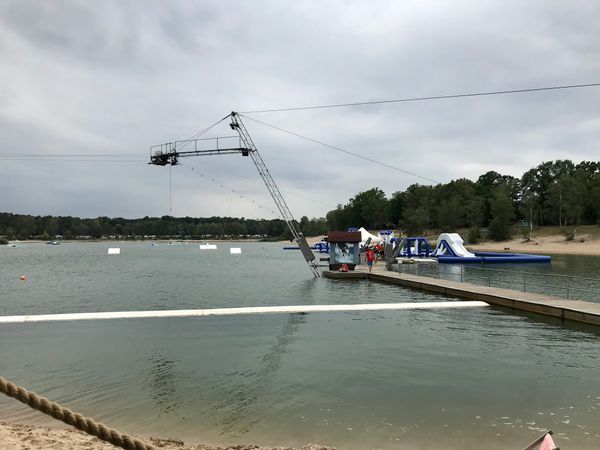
(338, 149)
(418, 99)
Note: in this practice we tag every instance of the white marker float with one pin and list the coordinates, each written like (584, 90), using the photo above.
(239, 311)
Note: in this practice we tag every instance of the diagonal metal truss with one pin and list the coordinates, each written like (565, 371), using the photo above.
(238, 125)
(169, 154)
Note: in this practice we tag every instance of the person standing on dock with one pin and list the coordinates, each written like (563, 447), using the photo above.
(370, 258)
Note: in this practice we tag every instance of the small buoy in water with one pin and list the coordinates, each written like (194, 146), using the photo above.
(22, 278)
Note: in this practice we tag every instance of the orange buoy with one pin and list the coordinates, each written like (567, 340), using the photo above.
(22, 278)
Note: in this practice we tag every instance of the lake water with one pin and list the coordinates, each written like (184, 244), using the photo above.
(450, 378)
(567, 276)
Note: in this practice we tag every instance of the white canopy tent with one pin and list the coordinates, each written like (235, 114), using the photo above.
(365, 235)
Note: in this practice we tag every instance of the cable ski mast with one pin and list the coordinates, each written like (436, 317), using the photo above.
(237, 125)
(169, 154)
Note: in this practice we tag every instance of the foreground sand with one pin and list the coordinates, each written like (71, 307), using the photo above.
(21, 437)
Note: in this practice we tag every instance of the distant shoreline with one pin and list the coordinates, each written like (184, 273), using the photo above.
(311, 240)
(551, 245)
(159, 241)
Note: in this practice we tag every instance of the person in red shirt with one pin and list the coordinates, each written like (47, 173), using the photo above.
(370, 258)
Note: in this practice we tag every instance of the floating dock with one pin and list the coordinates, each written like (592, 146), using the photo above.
(292, 309)
(573, 310)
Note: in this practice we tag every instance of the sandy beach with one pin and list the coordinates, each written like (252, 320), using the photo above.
(21, 437)
(552, 245)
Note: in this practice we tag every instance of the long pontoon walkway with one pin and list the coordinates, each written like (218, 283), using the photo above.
(575, 310)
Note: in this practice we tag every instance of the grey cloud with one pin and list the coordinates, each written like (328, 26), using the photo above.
(75, 29)
(117, 77)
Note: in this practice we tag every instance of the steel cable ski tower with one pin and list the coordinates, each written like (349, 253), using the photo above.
(168, 154)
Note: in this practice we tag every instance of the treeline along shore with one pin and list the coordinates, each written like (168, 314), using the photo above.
(20, 226)
(555, 193)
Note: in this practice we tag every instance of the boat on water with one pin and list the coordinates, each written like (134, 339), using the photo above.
(53, 243)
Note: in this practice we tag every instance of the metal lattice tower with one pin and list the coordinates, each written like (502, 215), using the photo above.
(169, 154)
(238, 125)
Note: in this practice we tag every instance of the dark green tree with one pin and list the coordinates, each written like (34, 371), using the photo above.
(575, 194)
(502, 211)
(417, 222)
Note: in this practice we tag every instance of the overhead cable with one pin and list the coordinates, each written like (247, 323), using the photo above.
(86, 160)
(333, 147)
(69, 155)
(418, 99)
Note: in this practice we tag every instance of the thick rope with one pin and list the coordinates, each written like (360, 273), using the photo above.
(70, 418)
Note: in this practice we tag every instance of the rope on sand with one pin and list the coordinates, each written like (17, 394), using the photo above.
(67, 416)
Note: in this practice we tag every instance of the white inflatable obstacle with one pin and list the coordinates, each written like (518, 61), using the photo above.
(451, 244)
(208, 246)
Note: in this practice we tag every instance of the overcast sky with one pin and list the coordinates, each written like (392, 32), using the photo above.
(115, 77)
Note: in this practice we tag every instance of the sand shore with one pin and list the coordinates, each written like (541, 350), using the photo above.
(21, 437)
(552, 245)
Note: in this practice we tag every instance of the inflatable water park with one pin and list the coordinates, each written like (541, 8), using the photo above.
(449, 249)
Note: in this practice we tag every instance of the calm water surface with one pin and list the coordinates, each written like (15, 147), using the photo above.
(459, 379)
(568, 276)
